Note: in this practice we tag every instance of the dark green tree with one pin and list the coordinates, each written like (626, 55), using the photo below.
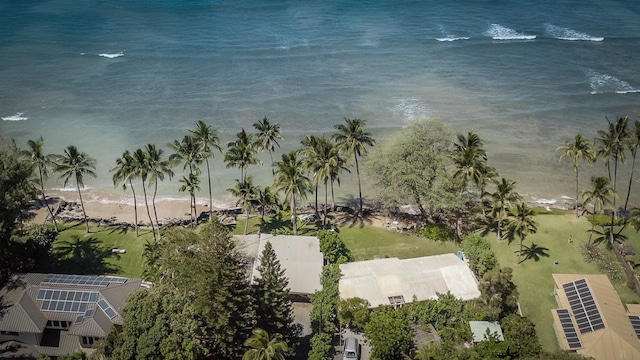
(207, 138)
(41, 162)
(600, 195)
(268, 136)
(123, 173)
(75, 164)
(390, 334)
(245, 193)
(353, 312)
(477, 250)
(264, 200)
(521, 223)
(141, 171)
(157, 168)
(498, 294)
(191, 184)
(241, 153)
(520, 336)
(264, 346)
(580, 149)
(291, 180)
(470, 159)
(502, 199)
(274, 312)
(333, 248)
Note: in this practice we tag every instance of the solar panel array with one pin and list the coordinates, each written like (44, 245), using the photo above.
(87, 314)
(583, 306)
(104, 305)
(66, 300)
(569, 329)
(635, 322)
(83, 280)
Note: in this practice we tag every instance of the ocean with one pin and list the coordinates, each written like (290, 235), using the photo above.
(108, 76)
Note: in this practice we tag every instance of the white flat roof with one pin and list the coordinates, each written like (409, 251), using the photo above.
(424, 277)
(299, 256)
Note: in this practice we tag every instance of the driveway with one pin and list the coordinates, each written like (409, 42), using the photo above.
(365, 349)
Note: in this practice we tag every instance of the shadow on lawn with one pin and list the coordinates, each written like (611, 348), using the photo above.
(83, 256)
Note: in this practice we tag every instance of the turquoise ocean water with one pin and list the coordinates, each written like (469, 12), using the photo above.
(114, 75)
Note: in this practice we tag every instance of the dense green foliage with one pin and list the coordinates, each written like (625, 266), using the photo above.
(449, 315)
(477, 250)
(333, 248)
(438, 232)
(263, 346)
(353, 312)
(498, 294)
(390, 334)
(324, 313)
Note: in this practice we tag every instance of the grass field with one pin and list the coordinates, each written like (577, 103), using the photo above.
(534, 279)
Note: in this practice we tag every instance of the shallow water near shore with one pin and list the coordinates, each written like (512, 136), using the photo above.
(108, 76)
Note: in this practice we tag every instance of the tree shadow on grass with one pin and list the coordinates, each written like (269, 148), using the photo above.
(84, 256)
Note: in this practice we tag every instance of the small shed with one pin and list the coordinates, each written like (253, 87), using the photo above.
(479, 330)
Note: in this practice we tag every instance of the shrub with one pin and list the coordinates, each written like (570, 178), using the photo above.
(438, 232)
(605, 263)
(478, 250)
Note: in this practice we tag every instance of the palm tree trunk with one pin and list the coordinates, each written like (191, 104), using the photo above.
(577, 189)
(84, 213)
(593, 222)
(146, 203)
(520, 252)
(613, 214)
(326, 200)
(44, 198)
(135, 208)
(246, 224)
(153, 202)
(316, 208)
(633, 165)
(195, 209)
(333, 199)
(210, 194)
(359, 185)
(191, 210)
(294, 219)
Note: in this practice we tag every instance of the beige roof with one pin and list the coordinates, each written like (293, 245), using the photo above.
(299, 256)
(23, 316)
(424, 277)
(617, 340)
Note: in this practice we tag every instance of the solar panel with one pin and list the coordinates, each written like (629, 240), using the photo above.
(104, 305)
(79, 319)
(569, 329)
(583, 306)
(635, 322)
(66, 300)
(84, 280)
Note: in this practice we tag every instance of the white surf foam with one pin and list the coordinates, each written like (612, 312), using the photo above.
(16, 117)
(569, 34)
(112, 56)
(499, 32)
(606, 84)
(452, 38)
(544, 201)
(70, 188)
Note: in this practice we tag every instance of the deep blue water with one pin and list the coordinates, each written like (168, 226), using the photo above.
(115, 75)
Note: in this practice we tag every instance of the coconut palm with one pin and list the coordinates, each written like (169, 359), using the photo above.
(188, 152)
(353, 140)
(35, 155)
(208, 139)
(123, 173)
(612, 147)
(504, 197)
(290, 179)
(265, 347)
(599, 195)
(191, 184)
(241, 153)
(319, 156)
(337, 164)
(264, 199)
(75, 164)
(580, 149)
(634, 142)
(157, 167)
(521, 223)
(141, 170)
(606, 235)
(470, 158)
(268, 135)
(246, 193)
(533, 251)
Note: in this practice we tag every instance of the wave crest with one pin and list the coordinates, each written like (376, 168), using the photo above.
(606, 84)
(499, 32)
(452, 38)
(113, 55)
(569, 34)
(17, 117)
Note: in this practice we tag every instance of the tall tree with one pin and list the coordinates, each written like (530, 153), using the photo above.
(241, 153)
(268, 135)
(188, 152)
(207, 137)
(274, 312)
(504, 197)
(191, 184)
(389, 332)
(141, 170)
(354, 140)
(290, 179)
(35, 154)
(265, 347)
(158, 167)
(75, 164)
(634, 142)
(498, 294)
(337, 164)
(265, 199)
(470, 158)
(123, 173)
(245, 193)
(580, 149)
(521, 223)
(600, 195)
(320, 158)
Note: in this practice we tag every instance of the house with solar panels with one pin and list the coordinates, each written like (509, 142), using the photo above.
(591, 319)
(57, 314)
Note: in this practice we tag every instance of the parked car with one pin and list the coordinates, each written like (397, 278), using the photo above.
(351, 349)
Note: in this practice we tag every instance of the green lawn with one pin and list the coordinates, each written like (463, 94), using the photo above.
(534, 279)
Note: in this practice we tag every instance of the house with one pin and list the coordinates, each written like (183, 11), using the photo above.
(56, 314)
(592, 321)
(392, 281)
(299, 256)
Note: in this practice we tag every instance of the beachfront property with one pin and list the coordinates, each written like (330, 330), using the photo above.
(592, 321)
(392, 281)
(56, 314)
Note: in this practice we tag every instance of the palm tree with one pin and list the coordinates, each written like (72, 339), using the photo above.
(246, 193)
(319, 159)
(141, 170)
(578, 150)
(353, 140)
(123, 173)
(157, 169)
(470, 158)
(151, 256)
(521, 223)
(188, 152)
(265, 347)
(208, 139)
(290, 179)
(39, 160)
(338, 163)
(533, 251)
(76, 164)
(504, 197)
(264, 199)
(605, 235)
(241, 153)
(191, 184)
(634, 142)
(268, 135)
(600, 195)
